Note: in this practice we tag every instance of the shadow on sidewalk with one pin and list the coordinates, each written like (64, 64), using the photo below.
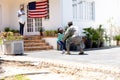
(16, 54)
(36, 73)
(101, 48)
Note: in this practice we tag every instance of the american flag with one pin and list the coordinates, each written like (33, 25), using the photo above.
(38, 9)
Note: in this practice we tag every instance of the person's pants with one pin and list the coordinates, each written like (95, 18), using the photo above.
(21, 28)
(62, 45)
(76, 40)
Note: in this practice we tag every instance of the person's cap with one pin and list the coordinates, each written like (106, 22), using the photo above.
(70, 23)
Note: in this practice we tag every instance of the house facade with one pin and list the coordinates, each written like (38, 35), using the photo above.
(83, 13)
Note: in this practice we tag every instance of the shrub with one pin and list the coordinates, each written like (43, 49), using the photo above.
(94, 36)
(7, 29)
(117, 37)
(9, 36)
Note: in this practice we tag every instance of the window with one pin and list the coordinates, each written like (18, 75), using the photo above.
(33, 24)
(0, 15)
(83, 10)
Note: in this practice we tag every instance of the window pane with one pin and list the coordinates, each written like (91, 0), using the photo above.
(29, 25)
(38, 23)
(93, 10)
(80, 11)
(74, 11)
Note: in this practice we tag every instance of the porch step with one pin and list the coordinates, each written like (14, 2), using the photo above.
(34, 37)
(35, 43)
(38, 48)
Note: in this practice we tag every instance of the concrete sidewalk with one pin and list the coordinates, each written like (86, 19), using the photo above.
(110, 56)
(105, 62)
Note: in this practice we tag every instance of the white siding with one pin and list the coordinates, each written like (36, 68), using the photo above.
(55, 15)
(0, 14)
(66, 11)
(4, 14)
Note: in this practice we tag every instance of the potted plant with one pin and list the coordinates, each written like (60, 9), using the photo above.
(13, 44)
(41, 30)
(89, 35)
(117, 38)
(94, 37)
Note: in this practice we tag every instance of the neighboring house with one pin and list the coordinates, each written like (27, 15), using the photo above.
(84, 13)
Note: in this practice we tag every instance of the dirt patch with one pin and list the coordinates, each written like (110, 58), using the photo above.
(30, 72)
(51, 71)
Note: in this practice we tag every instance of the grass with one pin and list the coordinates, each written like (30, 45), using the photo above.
(16, 77)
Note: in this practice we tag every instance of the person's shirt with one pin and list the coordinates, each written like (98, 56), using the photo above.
(22, 18)
(60, 36)
(72, 31)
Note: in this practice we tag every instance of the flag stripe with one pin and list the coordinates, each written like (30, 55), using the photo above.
(38, 9)
(38, 13)
(37, 16)
(41, 7)
(41, 4)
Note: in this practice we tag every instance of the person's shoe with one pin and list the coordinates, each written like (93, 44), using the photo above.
(67, 53)
(63, 51)
(81, 53)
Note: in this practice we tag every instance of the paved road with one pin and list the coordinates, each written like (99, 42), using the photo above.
(109, 56)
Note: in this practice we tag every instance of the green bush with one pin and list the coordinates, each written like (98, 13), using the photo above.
(7, 29)
(9, 36)
(51, 33)
(117, 37)
(94, 35)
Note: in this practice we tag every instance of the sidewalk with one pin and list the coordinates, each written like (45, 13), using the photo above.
(104, 61)
(110, 56)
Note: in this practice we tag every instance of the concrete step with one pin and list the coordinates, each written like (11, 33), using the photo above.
(38, 48)
(34, 41)
(35, 44)
(35, 37)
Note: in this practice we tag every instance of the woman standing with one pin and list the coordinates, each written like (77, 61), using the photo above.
(21, 20)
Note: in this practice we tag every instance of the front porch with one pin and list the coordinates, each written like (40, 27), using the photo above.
(9, 16)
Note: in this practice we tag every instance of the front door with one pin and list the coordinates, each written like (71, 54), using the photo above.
(33, 25)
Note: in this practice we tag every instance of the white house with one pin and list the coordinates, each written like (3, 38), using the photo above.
(84, 13)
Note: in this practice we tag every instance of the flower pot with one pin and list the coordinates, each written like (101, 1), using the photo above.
(13, 47)
(117, 43)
